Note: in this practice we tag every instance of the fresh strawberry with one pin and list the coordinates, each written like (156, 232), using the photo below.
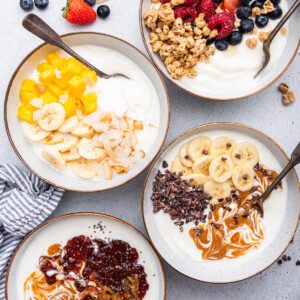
(206, 7)
(187, 13)
(224, 22)
(78, 12)
(231, 5)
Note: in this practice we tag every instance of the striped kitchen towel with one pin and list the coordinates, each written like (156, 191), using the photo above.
(25, 202)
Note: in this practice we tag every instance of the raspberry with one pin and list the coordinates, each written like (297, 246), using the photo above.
(190, 2)
(187, 13)
(206, 7)
(164, 1)
(224, 22)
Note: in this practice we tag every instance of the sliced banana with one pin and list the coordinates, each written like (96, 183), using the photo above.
(221, 168)
(185, 159)
(197, 179)
(69, 125)
(245, 154)
(84, 168)
(34, 132)
(217, 190)
(54, 138)
(177, 166)
(199, 147)
(88, 150)
(69, 156)
(69, 142)
(243, 178)
(201, 165)
(83, 130)
(54, 157)
(221, 146)
(53, 116)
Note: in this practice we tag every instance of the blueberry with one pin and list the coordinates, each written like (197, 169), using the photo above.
(244, 12)
(103, 11)
(210, 41)
(275, 14)
(275, 1)
(235, 38)
(41, 3)
(261, 21)
(257, 4)
(221, 45)
(26, 4)
(247, 25)
(90, 2)
(245, 2)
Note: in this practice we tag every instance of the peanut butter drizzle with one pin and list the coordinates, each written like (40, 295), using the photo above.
(230, 238)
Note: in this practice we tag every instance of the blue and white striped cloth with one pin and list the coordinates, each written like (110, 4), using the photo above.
(25, 202)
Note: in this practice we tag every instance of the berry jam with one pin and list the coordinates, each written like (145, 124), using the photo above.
(110, 264)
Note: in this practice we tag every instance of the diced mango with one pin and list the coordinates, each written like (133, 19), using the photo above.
(77, 87)
(26, 97)
(48, 98)
(91, 75)
(47, 77)
(89, 103)
(25, 113)
(28, 85)
(54, 60)
(70, 107)
(62, 83)
(71, 67)
(55, 90)
(79, 104)
(43, 66)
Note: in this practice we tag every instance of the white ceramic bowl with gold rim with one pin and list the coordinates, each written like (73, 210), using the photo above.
(281, 213)
(23, 147)
(241, 90)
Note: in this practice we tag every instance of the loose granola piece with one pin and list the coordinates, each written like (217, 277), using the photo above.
(155, 1)
(254, 31)
(237, 23)
(283, 88)
(252, 43)
(256, 11)
(262, 36)
(283, 31)
(288, 98)
(268, 7)
(166, 13)
(177, 2)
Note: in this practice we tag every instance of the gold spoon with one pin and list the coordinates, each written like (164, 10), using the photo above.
(268, 41)
(38, 27)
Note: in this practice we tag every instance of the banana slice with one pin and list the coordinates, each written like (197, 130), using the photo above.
(217, 190)
(185, 159)
(84, 168)
(69, 142)
(88, 150)
(243, 178)
(177, 166)
(34, 132)
(69, 156)
(197, 179)
(221, 146)
(245, 154)
(54, 138)
(54, 157)
(198, 147)
(201, 165)
(84, 130)
(221, 168)
(69, 125)
(53, 116)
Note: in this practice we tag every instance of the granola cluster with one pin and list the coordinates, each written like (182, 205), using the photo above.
(179, 45)
(267, 8)
(287, 96)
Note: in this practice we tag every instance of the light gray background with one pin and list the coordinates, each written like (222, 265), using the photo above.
(263, 111)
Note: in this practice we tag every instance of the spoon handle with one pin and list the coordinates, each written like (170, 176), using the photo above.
(38, 27)
(295, 159)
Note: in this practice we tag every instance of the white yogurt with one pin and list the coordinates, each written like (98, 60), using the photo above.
(274, 207)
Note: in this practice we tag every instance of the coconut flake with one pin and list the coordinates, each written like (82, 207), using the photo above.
(63, 98)
(73, 151)
(68, 137)
(100, 126)
(37, 102)
(57, 73)
(113, 134)
(38, 114)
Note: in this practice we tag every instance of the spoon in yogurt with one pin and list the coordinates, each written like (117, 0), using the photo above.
(38, 27)
(295, 159)
(268, 41)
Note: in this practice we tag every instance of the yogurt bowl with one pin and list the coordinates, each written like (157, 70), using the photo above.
(132, 113)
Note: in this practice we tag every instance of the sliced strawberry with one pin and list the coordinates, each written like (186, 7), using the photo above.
(231, 5)
(206, 7)
(224, 22)
(187, 13)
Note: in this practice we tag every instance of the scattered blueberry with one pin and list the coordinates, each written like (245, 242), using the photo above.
(210, 41)
(261, 21)
(26, 4)
(275, 14)
(90, 2)
(244, 12)
(245, 2)
(221, 45)
(247, 25)
(103, 11)
(235, 38)
(275, 1)
(257, 4)
(41, 3)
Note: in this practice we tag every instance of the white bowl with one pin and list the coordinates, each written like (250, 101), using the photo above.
(23, 147)
(178, 249)
(263, 81)
(59, 230)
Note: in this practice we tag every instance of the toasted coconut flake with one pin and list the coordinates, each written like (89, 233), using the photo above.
(108, 171)
(73, 151)
(89, 81)
(138, 125)
(37, 102)
(57, 73)
(40, 88)
(115, 123)
(68, 137)
(38, 114)
(100, 126)
(96, 141)
(112, 134)
(124, 124)
(63, 98)
(93, 118)
(108, 149)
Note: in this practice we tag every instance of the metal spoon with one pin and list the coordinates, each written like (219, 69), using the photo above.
(268, 41)
(38, 27)
(295, 159)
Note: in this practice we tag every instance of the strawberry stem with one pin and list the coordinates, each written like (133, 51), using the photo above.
(66, 9)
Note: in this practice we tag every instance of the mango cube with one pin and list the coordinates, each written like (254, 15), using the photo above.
(70, 107)
(89, 103)
(25, 113)
(26, 97)
(55, 90)
(79, 104)
(47, 77)
(62, 83)
(54, 60)
(48, 98)
(70, 68)
(43, 66)
(76, 87)
(28, 85)
(90, 76)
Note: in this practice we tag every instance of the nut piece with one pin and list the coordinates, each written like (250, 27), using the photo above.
(283, 88)
(252, 43)
(288, 98)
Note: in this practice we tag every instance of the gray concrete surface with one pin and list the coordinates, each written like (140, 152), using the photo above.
(263, 111)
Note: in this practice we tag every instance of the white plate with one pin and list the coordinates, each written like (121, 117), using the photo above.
(281, 214)
(59, 230)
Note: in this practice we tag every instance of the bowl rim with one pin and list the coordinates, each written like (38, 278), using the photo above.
(84, 214)
(167, 75)
(170, 146)
(17, 71)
